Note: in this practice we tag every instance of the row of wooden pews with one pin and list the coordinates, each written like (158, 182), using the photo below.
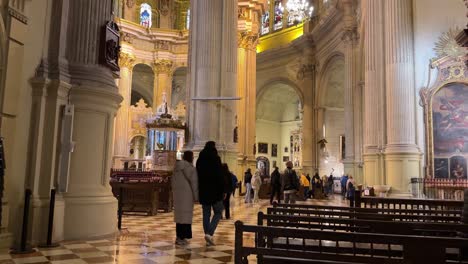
(298, 233)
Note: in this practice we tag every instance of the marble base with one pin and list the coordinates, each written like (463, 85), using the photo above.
(399, 169)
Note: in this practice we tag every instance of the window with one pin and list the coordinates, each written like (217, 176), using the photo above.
(145, 15)
(187, 25)
(279, 10)
(266, 23)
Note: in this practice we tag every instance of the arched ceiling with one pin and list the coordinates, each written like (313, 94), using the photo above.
(278, 103)
(334, 85)
(143, 81)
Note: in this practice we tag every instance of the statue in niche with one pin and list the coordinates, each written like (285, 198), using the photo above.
(235, 139)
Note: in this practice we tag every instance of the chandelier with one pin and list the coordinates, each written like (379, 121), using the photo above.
(299, 10)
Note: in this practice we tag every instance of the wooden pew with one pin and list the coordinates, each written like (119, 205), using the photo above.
(456, 213)
(364, 215)
(363, 225)
(403, 203)
(286, 245)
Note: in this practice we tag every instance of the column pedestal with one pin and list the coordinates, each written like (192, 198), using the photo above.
(90, 207)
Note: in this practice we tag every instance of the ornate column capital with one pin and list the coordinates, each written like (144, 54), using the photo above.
(305, 70)
(163, 66)
(350, 36)
(126, 60)
(247, 40)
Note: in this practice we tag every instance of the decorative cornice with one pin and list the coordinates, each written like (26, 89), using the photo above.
(163, 66)
(127, 37)
(247, 40)
(126, 60)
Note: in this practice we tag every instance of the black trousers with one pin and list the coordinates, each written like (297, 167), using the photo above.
(226, 203)
(184, 231)
(275, 190)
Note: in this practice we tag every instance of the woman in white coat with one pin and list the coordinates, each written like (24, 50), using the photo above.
(185, 194)
(256, 183)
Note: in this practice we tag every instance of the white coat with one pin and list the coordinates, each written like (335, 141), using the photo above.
(256, 181)
(184, 191)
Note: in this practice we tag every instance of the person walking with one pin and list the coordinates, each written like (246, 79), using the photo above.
(343, 182)
(211, 185)
(275, 185)
(256, 184)
(248, 186)
(234, 183)
(229, 188)
(289, 183)
(350, 187)
(330, 183)
(184, 194)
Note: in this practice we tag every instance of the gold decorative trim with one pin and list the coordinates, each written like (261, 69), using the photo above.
(126, 60)
(163, 66)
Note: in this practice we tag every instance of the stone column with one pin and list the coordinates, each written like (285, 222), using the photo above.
(402, 156)
(162, 82)
(350, 39)
(121, 143)
(90, 207)
(213, 73)
(374, 94)
(247, 90)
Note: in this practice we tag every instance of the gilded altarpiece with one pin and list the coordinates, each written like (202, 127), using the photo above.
(446, 121)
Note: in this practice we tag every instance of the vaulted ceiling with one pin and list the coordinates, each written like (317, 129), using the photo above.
(278, 103)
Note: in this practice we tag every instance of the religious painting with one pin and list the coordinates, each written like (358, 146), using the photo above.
(441, 168)
(278, 19)
(274, 150)
(286, 149)
(285, 158)
(457, 167)
(263, 148)
(265, 23)
(450, 119)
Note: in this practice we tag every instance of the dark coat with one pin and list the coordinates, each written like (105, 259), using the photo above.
(276, 179)
(211, 183)
(247, 177)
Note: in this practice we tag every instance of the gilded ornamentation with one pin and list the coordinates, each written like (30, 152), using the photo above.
(447, 45)
(127, 37)
(130, 3)
(162, 45)
(163, 66)
(247, 40)
(126, 60)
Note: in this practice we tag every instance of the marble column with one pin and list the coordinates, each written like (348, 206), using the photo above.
(162, 82)
(90, 207)
(122, 122)
(213, 73)
(402, 156)
(374, 94)
(350, 38)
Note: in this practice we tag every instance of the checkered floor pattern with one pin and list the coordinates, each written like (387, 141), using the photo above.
(150, 239)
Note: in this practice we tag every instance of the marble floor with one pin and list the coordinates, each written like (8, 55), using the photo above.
(150, 239)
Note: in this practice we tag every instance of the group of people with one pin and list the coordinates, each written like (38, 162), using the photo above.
(210, 183)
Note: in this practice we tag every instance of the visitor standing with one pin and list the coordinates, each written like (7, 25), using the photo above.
(343, 182)
(185, 194)
(234, 183)
(289, 183)
(305, 184)
(275, 185)
(248, 186)
(256, 184)
(350, 187)
(211, 186)
(330, 183)
(229, 188)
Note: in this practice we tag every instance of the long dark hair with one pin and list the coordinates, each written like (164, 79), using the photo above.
(188, 156)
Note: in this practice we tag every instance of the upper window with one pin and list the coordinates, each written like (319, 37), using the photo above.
(279, 10)
(145, 15)
(266, 23)
(187, 25)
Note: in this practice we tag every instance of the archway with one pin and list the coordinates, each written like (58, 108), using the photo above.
(331, 117)
(279, 125)
(142, 84)
(178, 94)
(263, 167)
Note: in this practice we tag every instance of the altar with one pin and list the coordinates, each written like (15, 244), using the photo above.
(144, 183)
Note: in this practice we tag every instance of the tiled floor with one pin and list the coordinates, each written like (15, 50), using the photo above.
(148, 240)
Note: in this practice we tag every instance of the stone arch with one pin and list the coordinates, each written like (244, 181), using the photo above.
(179, 86)
(324, 74)
(143, 82)
(280, 80)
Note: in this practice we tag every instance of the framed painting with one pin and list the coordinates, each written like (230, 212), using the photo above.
(285, 158)
(274, 150)
(263, 148)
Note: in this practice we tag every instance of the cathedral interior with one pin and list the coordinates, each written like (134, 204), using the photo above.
(98, 94)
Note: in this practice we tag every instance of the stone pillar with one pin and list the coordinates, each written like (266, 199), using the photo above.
(402, 156)
(90, 207)
(162, 82)
(122, 122)
(374, 94)
(350, 39)
(213, 73)
(247, 90)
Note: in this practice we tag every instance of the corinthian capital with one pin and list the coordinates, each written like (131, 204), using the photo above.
(163, 66)
(350, 36)
(126, 60)
(247, 40)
